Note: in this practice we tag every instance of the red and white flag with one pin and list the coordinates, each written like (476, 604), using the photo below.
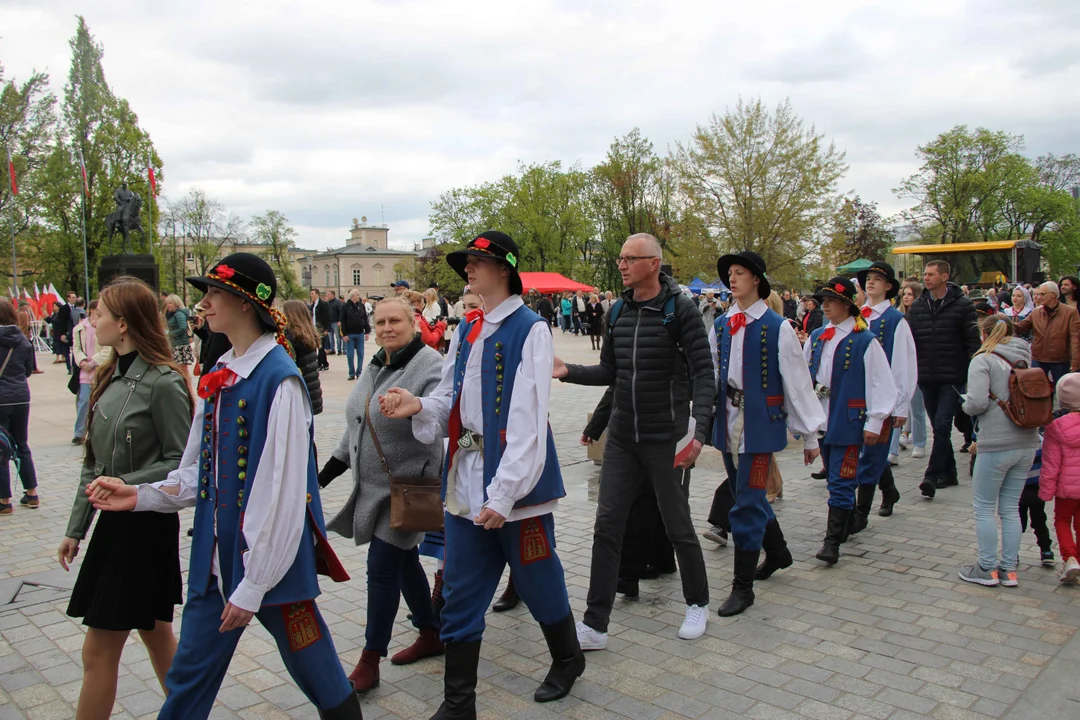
(11, 173)
(37, 293)
(153, 181)
(85, 181)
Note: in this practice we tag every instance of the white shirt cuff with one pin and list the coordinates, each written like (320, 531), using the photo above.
(248, 596)
(503, 506)
(810, 442)
(873, 425)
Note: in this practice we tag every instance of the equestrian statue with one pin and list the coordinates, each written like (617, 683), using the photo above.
(125, 217)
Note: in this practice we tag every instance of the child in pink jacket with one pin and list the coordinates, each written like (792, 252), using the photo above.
(1060, 477)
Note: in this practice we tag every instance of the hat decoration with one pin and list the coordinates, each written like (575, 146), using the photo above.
(224, 274)
(843, 289)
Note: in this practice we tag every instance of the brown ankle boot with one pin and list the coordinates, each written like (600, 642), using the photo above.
(366, 674)
(427, 645)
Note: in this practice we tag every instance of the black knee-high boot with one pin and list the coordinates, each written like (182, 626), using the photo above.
(864, 503)
(835, 533)
(459, 685)
(777, 554)
(889, 494)
(742, 583)
(567, 660)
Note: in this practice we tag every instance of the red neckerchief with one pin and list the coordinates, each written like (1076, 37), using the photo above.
(827, 334)
(211, 382)
(867, 311)
(736, 322)
(476, 317)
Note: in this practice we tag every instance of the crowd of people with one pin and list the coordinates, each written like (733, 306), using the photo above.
(853, 371)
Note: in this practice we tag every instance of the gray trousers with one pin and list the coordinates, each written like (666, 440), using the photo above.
(628, 468)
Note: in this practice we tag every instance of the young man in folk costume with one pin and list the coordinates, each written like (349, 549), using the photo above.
(763, 387)
(501, 479)
(891, 329)
(853, 379)
(259, 539)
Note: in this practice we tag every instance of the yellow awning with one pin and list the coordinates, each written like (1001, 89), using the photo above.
(955, 247)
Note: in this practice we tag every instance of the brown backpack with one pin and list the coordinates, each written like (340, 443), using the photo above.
(1031, 396)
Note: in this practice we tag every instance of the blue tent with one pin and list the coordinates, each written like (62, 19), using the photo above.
(698, 286)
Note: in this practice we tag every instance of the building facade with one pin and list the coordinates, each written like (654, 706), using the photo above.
(366, 263)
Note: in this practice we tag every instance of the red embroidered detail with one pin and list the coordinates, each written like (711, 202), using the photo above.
(736, 322)
(534, 542)
(850, 463)
(759, 472)
(301, 625)
(224, 271)
(481, 243)
(827, 334)
(774, 400)
(502, 437)
(856, 403)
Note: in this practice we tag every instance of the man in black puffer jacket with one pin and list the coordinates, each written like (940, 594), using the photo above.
(650, 358)
(944, 324)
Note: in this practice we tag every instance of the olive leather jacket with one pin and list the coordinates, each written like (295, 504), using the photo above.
(138, 431)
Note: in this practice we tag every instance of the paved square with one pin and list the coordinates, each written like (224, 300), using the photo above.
(890, 632)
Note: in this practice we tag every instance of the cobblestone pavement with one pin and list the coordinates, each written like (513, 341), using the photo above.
(890, 632)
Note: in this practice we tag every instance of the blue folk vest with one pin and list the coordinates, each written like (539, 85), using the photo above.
(847, 387)
(764, 417)
(884, 329)
(227, 465)
(502, 356)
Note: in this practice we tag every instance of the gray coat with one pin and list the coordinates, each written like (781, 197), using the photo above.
(988, 373)
(367, 512)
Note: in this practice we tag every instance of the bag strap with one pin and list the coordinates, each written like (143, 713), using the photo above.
(4, 366)
(375, 438)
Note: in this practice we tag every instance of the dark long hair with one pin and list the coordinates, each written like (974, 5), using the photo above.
(133, 301)
(1076, 288)
(301, 326)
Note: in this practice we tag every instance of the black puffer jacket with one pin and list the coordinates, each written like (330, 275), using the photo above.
(307, 359)
(649, 372)
(14, 390)
(946, 339)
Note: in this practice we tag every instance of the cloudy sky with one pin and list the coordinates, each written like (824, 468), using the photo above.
(338, 109)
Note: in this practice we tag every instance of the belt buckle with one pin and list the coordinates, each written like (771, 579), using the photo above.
(470, 440)
(822, 390)
(736, 397)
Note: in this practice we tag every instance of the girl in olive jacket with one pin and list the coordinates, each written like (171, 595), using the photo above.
(140, 418)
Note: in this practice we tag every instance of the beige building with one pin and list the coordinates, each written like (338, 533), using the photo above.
(365, 263)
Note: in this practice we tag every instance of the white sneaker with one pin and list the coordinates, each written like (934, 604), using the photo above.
(919, 452)
(590, 639)
(905, 441)
(1071, 572)
(894, 459)
(693, 626)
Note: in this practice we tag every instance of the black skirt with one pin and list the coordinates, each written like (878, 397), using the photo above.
(130, 576)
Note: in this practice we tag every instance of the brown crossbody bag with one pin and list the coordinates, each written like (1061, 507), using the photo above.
(415, 502)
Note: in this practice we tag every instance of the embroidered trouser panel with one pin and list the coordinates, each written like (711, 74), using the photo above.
(842, 463)
(751, 511)
(475, 559)
(204, 654)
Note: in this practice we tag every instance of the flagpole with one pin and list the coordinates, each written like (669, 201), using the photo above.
(14, 269)
(82, 222)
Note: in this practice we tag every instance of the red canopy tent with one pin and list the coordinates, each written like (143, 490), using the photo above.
(549, 282)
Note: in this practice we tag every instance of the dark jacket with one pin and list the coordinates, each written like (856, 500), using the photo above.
(14, 390)
(334, 306)
(63, 320)
(544, 309)
(791, 309)
(354, 319)
(322, 315)
(214, 345)
(651, 374)
(813, 320)
(307, 359)
(945, 338)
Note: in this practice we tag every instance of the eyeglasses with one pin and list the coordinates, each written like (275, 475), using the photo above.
(631, 259)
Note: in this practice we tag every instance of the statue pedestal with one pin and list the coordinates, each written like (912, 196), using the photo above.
(140, 266)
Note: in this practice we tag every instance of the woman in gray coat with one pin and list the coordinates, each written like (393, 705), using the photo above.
(393, 565)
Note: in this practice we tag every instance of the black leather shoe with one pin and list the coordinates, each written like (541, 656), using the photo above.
(509, 599)
(742, 584)
(889, 498)
(928, 488)
(567, 660)
(777, 554)
(946, 482)
(820, 474)
(834, 535)
(627, 587)
(348, 710)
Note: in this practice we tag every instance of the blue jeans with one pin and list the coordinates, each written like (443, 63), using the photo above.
(354, 344)
(916, 424)
(82, 404)
(393, 573)
(332, 342)
(942, 402)
(1054, 370)
(16, 420)
(997, 482)
(565, 322)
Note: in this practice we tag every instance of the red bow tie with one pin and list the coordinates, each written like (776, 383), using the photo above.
(211, 382)
(736, 322)
(827, 334)
(867, 311)
(476, 317)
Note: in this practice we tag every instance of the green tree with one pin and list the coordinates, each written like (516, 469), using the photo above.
(27, 128)
(966, 184)
(762, 181)
(274, 232)
(205, 225)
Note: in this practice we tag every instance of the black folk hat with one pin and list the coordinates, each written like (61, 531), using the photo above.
(885, 269)
(249, 277)
(489, 244)
(840, 288)
(749, 260)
